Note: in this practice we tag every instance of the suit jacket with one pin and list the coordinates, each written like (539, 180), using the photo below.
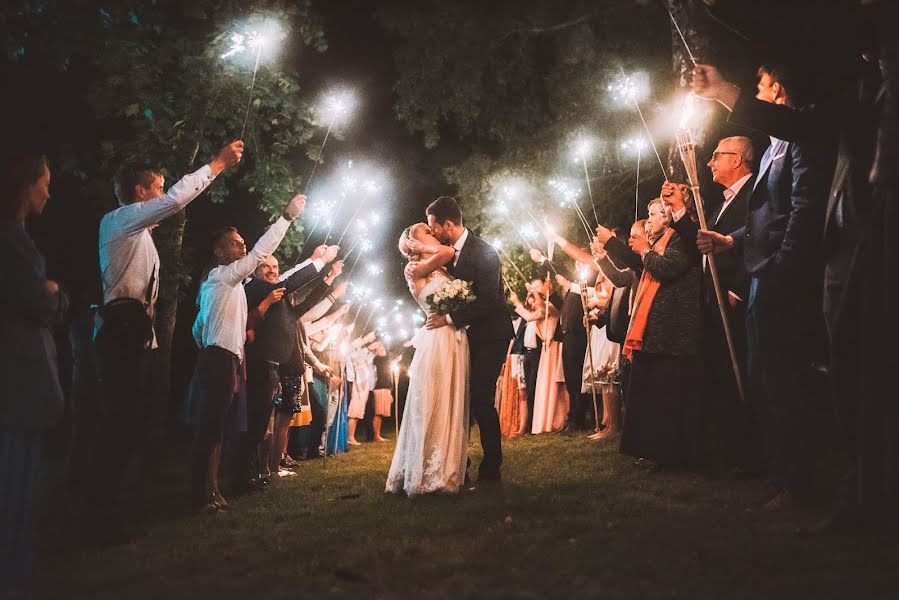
(731, 271)
(32, 397)
(782, 235)
(488, 317)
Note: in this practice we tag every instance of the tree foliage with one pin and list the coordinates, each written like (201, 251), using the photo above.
(519, 81)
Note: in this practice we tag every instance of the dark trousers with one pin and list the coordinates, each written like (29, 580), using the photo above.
(574, 349)
(730, 427)
(20, 460)
(531, 362)
(85, 401)
(262, 383)
(778, 332)
(123, 373)
(487, 358)
(319, 416)
(217, 378)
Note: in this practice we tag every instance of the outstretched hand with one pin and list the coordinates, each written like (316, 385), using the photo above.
(708, 83)
(436, 321)
(295, 207)
(228, 156)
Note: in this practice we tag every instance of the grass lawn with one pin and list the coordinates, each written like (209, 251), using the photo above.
(573, 518)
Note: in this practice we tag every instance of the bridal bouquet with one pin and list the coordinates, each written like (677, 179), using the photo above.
(451, 296)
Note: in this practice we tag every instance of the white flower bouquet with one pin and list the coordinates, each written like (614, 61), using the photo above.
(451, 296)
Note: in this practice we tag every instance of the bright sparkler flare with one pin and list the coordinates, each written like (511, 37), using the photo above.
(375, 269)
(502, 207)
(337, 106)
(568, 193)
(629, 89)
(240, 43)
(634, 144)
(689, 112)
(529, 231)
(497, 243)
(582, 149)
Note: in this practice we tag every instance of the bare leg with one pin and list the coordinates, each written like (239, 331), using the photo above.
(522, 418)
(279, 440)
(376, 426)
(351, 437)
(610, 400)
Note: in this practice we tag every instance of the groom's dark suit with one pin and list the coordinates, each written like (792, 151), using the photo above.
(489, 331)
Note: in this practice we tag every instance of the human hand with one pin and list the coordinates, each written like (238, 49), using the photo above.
(603, 234)
(597, 249)
(436, 321)
(228, 156)
(335, 381)
(732, 299)
(513, 298)
(330, 254)
(274, 296)
(318, 252)
(673, 196)
(712, 242)
(563, 282)
(708, 83)
(537, 256)
(295, 207)
(52, 286)
(336, 270)
(344, 309)
(638, 244)
(409, 270)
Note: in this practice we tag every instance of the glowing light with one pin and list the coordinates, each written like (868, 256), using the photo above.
(395, 368)
(497, 243)
(337, 106)
(404, 333)
(634, 145)
(375, 269)
(502, 207)
(629, 88)
(529, 231)
(257, 37)
(240, 43)
(690, 112)
(568, 193)
(582, 148)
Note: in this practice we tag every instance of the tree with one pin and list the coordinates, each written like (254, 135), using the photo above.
(147, 79)
(518, 82)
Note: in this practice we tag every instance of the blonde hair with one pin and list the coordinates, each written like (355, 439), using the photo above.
(407, 236)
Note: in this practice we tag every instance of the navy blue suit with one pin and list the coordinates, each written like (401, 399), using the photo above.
(489, 331)
(781, 246)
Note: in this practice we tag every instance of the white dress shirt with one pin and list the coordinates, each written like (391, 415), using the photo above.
(530, 335)
(129, 262)
(730, 193)
(222, 320)
(460, 243)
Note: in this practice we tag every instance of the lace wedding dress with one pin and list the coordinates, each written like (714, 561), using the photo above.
(432, 445)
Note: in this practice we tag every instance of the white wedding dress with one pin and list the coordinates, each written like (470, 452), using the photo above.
(432, 446)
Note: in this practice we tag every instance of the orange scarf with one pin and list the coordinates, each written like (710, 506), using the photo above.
(646, 293)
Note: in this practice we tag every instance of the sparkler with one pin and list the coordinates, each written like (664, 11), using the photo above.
(337, 107)
(349, 184)
(503, 209)
(582, 275)
(371, 187)
(582, 148)
(636, 144)
(681, 34)
(364, 245)
(253, 40)
(499, 248)
(687, 148)
(629, 89)
(568, 195)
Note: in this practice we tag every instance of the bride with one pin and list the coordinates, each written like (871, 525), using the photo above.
(432, 446)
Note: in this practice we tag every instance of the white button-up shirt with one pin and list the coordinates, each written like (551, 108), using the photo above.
(222, 320)
(129, 262)
(730, 193)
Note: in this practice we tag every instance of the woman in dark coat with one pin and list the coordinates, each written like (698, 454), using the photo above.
(32, 398)
(662, 420)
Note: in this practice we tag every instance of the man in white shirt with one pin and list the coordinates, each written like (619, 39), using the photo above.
(220, 332)
(129, 268)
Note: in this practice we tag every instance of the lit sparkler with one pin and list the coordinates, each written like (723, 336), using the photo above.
(583, 147)
(637, 145)
(568, 195)
(255, 41)
(336, 106)
(628, 89)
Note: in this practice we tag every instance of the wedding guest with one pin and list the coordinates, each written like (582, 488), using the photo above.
(551, 396)
(512, 403)
(662, 418)
(605, 354)
(382, 394)
(32, 397)
(220, 332)
(781, 245)
(129, 267)
(359, 375)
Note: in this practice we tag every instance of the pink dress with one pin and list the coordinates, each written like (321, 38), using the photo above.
(551, 397)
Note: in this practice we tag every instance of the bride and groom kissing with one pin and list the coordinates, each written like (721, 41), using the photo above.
(457, 358)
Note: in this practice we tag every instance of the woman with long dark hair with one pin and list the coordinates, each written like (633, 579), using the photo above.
(32, 399)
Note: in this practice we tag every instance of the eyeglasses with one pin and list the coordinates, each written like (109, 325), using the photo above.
(716, 154)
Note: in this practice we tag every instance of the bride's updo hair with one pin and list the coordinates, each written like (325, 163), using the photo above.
(407, 236)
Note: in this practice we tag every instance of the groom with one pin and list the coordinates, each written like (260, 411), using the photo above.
(487, 320)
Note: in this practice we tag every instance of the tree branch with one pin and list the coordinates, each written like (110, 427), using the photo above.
(547, 29)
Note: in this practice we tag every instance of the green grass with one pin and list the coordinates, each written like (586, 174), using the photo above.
(572, 519)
